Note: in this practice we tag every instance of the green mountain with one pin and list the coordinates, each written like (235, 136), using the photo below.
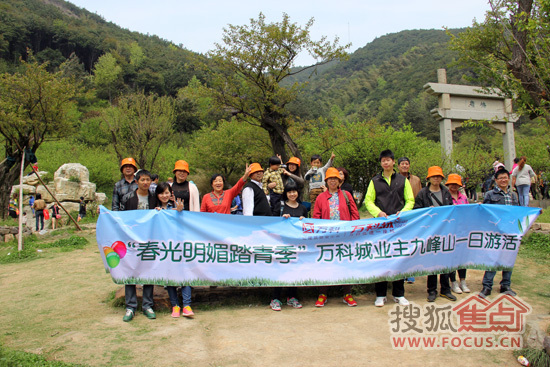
(53, 30)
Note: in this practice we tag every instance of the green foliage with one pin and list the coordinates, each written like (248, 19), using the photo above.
(10, 357)
(536, 357)
(227, 148)
(139, 125)
(74, 242)
(32, 248)
(537, 247)
(510, 50)
(251, 64)
(108, 76)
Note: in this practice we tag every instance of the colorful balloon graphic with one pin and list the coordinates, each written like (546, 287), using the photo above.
(107, 250)
(120, 248)
(113, 259)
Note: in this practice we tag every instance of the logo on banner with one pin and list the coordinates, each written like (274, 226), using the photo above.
(115, 253)
(475, 323)
(308, 228)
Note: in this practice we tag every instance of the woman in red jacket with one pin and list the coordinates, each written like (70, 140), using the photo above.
(219, 200)
(335, 204)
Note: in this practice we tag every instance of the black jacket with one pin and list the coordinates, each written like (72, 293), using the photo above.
(424, 198)
(130, 201)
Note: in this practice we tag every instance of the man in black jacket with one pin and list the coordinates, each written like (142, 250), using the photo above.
(141, 198)
(500, 195)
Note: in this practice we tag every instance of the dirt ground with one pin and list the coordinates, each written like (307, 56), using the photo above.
(57, 306)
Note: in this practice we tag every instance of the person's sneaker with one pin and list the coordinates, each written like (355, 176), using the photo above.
(508, 291)
(348, 299)
(187, 311)
(401, 300)
(448, 295)
(432, 296)
(176, 311)
(410, 280)
(128, 316)
(275, 305)
(149, 313)
(456, 288)
(485, 292)
(321, 300)
(293, 302)
(464, 287)
(380, 301)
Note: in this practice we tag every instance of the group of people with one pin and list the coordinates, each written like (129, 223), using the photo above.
(278, 190)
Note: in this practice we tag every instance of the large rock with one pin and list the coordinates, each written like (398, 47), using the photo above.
(27, 189)
(100, 197)
(45, 194)
(32, 179)
(74, 171)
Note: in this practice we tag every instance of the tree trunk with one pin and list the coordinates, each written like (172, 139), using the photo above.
(7, 178)
(280, 138)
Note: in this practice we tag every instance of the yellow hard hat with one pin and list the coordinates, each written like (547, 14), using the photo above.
(294, 160)
(435, 171)
(332, 172)
(255, 167)
(454, 179)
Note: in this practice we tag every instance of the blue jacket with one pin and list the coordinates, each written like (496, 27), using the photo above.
(495, 196)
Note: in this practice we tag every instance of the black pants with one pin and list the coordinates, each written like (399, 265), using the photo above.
(461, 275)
(291, 292)
(275, 203)
(443, 281)
(40, 219)
(398, 288)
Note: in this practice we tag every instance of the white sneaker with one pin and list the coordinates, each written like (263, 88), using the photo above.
(401, 300)
(380, 301)
(464, 287)
(456, 288)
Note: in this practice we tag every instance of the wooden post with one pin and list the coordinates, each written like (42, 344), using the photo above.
(20, 238)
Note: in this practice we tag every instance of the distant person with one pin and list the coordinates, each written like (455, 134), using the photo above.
(127, 184)
(521, 179)
(154, 182)
(39, 206)
(13, 209)
(55, 215)
(139, 199)
(31, 202)
(81, 209)
(500, 195)
(389, 193)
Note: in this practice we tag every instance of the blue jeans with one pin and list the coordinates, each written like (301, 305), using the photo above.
(490, 275)
(40, 219)
(523, 194)
(185, 295)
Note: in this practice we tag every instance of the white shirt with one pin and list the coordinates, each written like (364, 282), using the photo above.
(248, 199)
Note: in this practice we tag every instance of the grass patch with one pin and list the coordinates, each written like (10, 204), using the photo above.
(32, 248)
(544, 217)
(9, 357)
(536, 246)
(536, 357)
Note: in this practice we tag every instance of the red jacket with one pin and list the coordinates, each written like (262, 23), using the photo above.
(322, 209)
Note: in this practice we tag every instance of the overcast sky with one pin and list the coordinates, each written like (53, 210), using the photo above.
(197, 25)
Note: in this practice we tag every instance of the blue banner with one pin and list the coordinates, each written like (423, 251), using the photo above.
(168, 247)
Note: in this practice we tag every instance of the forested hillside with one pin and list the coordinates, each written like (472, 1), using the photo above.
(53, 30)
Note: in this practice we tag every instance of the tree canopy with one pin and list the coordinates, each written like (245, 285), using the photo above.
(510, 50)
(251, 64)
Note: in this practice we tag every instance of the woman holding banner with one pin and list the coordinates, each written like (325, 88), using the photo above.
(219, 200)
(335, 204)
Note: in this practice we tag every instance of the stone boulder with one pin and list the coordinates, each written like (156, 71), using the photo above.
(27, 189)
(76, 171)
(32, 179)
(100, 198)
(71, 182)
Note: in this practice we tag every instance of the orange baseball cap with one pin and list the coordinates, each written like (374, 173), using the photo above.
(181, 165)
(435, 171)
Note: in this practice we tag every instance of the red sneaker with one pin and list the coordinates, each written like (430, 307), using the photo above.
(321, 300)
(348, 299)
(187, 311)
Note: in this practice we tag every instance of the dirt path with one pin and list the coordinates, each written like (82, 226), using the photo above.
(57, 306)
